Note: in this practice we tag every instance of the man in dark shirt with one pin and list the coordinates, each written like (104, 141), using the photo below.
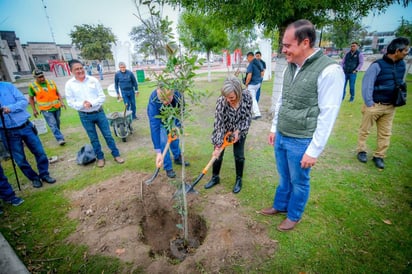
(253, 80)
(258, 56)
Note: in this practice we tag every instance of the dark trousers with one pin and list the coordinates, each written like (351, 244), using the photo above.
(239, 154)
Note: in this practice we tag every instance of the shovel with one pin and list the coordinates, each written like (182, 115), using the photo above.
(227, 141)
(170, 138)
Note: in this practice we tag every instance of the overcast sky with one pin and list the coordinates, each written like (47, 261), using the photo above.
(28, 18)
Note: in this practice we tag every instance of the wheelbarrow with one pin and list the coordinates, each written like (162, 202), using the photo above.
(121, 123)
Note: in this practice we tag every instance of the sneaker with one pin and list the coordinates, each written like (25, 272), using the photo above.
(62, 142)
(36, 183)
(48, 179)
(178, 161)
(16, 201)
(170, 173)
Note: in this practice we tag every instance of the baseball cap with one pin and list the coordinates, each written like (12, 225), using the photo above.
(37, 73)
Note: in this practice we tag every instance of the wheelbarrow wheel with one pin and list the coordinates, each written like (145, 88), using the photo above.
(122, 131)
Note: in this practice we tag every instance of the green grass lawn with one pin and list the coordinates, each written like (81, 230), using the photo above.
(358, 218)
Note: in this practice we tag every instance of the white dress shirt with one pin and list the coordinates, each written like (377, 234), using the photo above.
(77, 92)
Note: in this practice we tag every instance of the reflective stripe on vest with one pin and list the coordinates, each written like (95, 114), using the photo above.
(46, 100)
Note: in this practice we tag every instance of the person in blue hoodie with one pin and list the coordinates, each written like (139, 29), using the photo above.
(159, 98)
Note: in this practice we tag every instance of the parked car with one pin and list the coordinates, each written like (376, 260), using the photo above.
(367, 52)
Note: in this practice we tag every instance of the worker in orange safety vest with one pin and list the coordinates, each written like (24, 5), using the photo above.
(45, 94)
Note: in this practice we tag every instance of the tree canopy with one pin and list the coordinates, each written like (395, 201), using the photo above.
(93, 41)
(344, 32)
(272, 14)
(200, 32)
(405, 30)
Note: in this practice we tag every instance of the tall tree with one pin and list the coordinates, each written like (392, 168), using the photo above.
(93, 41)
(271, 14)
(344, 31)
(154, 31)
(202, 33)
(404, 30)
(242, 39)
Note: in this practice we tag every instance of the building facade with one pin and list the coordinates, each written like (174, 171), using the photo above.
(17, 60)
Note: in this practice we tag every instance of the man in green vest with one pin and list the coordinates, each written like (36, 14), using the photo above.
(304, 117)
(45, 94)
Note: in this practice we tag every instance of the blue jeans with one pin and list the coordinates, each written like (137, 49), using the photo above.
(130, 99)
(53, 120)
(294, 182)
(27, 135)
(258, 92)
(174, 146)
(89, 122)
(6, 190)
(351, 77)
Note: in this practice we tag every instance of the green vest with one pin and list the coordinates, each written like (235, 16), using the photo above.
(299, 111)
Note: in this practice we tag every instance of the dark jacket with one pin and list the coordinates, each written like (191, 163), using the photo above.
(351, 61)
(383, 91)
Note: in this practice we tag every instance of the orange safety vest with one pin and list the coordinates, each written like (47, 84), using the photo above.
(46, 99)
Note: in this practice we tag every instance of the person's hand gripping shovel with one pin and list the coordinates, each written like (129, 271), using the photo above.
(228, 140)
(173, 134)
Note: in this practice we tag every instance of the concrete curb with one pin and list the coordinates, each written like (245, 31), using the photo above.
(9, 262)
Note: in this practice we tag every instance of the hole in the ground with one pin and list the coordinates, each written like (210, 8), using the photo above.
(161, 233)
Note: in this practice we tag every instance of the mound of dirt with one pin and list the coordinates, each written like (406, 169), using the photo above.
(125, 218)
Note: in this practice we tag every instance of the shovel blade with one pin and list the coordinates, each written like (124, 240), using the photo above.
(151, 179)
(188, 189)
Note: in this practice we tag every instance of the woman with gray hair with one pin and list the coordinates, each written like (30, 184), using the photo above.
(233, 114)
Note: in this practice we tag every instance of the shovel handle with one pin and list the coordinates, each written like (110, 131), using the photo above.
(173, 134)
(206, 168)
(228, 140)
(204, 171)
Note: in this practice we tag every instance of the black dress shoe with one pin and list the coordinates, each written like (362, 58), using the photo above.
(48, 179)
(214, 181)
(36, 183)
(378, 162)
(362, 157)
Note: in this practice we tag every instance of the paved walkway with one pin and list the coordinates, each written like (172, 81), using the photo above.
(9, 262)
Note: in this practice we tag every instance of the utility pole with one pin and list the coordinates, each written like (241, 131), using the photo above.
(48, 21)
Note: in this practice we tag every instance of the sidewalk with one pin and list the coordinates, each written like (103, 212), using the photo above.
(9, 262)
